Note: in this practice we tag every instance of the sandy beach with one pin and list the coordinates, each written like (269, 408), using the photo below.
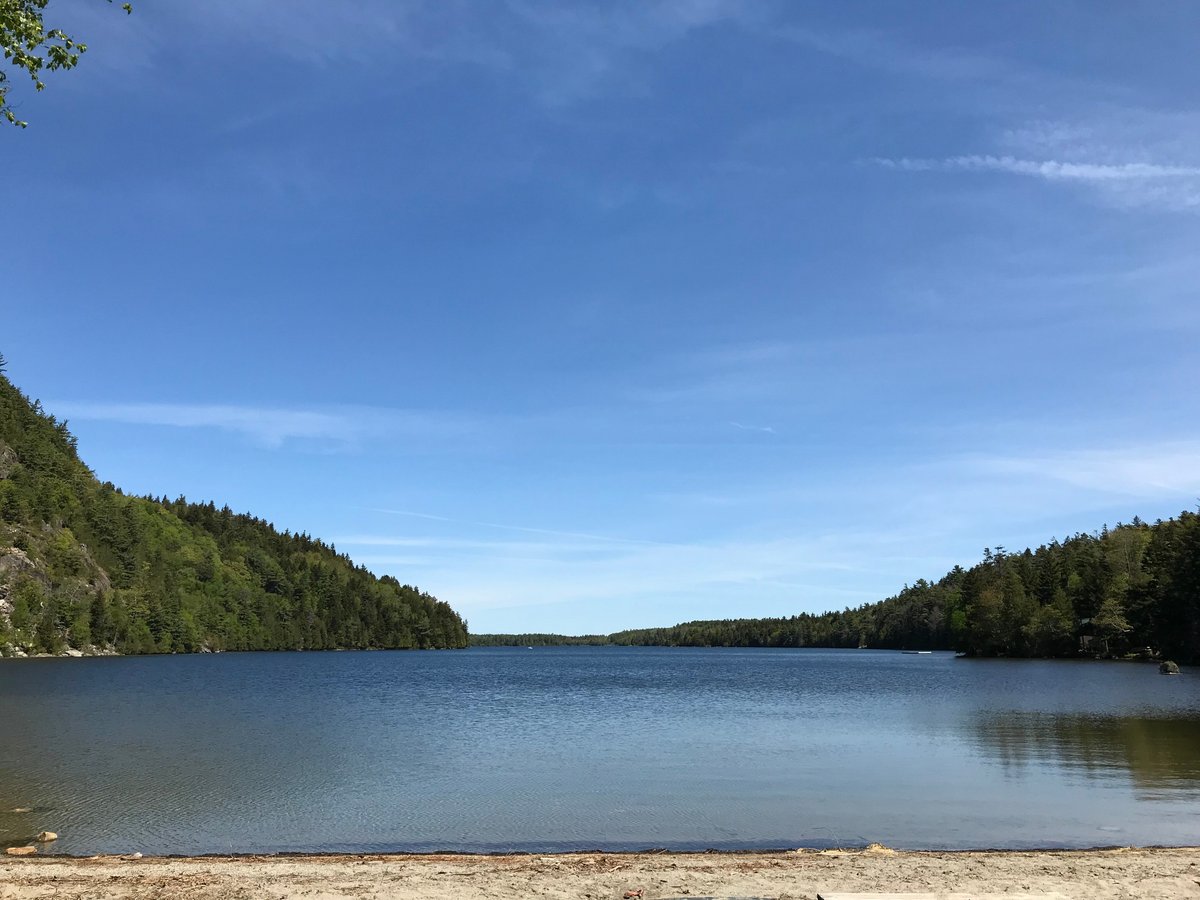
(1096, 874)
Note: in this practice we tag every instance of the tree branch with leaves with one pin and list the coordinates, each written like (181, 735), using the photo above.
(33, 48)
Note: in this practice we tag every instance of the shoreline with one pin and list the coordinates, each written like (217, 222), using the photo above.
(8, 652)
(872, 849)
(1161, 872)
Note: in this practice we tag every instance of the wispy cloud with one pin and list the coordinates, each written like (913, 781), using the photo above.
(1051, 170)
(656, 583)
(759, 378)
(1133, 184)
(522, 528)
(428, 548)
(574, 51)
(560, 53)
(310, 32)
(955, 482)
(1107, 134)
(889, 53)
(273, 427)
(764, 429)
(1170, 469)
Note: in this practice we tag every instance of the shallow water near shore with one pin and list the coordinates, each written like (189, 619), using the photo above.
(509, 749)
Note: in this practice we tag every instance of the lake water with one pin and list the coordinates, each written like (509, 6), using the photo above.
(594, 748)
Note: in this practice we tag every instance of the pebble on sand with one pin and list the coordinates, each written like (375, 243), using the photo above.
(21, 851)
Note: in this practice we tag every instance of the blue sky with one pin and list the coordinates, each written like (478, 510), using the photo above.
(591, 316)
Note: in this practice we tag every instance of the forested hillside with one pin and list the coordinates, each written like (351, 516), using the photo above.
(1123, 589)
(84, 566)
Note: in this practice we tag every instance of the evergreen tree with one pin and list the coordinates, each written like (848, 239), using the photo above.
(83, 565)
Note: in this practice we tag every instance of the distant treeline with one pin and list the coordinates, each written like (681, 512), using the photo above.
(1104, 594)
(84, 566)
(539, 640)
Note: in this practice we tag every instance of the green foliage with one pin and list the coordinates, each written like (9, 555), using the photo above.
(1123, 589)
(538, 640)
(34, 49)
(83, 565)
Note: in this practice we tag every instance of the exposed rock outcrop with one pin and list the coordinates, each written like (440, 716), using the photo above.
(8, 460)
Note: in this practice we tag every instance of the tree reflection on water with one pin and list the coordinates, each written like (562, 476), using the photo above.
(1159, 754)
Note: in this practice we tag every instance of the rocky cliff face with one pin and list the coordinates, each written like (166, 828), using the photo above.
(8, 460)
(25, 575)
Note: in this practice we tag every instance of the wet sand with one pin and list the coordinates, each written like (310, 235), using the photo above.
(1092, 874)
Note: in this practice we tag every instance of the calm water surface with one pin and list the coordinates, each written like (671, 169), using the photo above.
(584, 748)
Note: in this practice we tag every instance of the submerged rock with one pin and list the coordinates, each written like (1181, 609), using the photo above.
(1167, 667)
(47, 836)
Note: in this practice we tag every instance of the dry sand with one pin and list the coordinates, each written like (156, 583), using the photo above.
(1095, 874)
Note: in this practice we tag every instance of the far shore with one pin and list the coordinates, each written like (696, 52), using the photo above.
(1165, 873)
